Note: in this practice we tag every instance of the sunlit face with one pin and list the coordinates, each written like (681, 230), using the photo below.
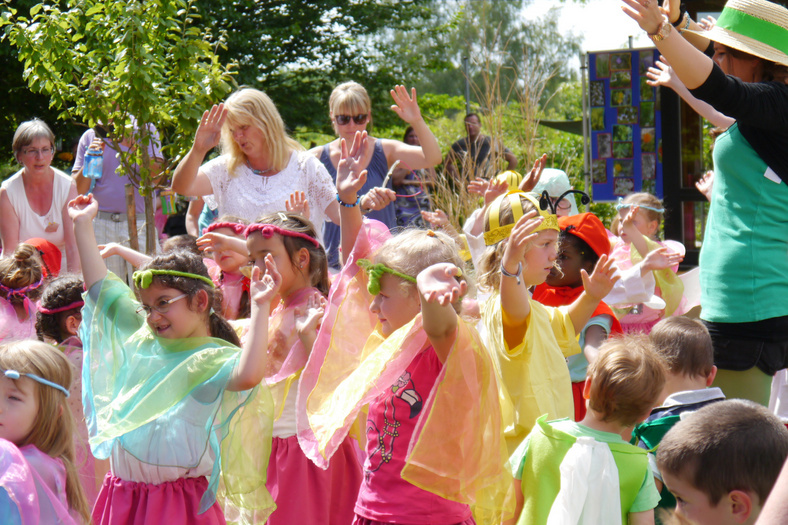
(293, 278)
(642, 222)
(741, 68)
(570, 261)
(37, 156)
(18, 408)
(229, 261)
(395, 305)
(539, 259)
(250, 139)
(181, 318)
(346, 122)
(694, 505)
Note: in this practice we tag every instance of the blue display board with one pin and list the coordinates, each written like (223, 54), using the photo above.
(625, 124)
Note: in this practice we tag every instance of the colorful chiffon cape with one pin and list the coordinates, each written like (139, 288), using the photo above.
(137, 387)
(457, 451)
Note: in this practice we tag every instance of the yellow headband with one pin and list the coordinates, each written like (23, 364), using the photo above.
(498, 233)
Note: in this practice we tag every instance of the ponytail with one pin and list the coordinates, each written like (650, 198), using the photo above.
(221, 329)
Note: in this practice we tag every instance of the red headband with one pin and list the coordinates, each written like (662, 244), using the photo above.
(237, 228)
(47, 311)
(268, 231)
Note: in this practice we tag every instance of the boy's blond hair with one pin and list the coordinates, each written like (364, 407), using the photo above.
(684, 345)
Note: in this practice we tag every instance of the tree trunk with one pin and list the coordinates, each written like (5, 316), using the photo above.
(150, 224)
(131, 214)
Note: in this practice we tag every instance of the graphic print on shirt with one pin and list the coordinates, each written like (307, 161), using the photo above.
(409, 402)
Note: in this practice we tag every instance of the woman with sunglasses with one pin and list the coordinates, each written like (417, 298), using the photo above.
(33, 201)
(260, 165)
(350, 109)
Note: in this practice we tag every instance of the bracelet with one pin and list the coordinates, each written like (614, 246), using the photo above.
(686, 24)
(515, 275)
(663, 30)
(345, 204)
(681, 20)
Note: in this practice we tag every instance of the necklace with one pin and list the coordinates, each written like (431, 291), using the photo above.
(257, 172)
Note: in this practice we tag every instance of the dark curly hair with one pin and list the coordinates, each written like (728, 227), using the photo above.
(185, 261)
(59, 292)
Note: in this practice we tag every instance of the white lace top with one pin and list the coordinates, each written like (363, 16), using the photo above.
(248, 196)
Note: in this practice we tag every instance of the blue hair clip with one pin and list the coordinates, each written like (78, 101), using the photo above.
(621, 206)
(13, 374)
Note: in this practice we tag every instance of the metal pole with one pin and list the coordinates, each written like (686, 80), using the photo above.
(467, 86)
(584, 62)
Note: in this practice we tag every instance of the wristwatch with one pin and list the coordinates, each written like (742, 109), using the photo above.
(664, 30)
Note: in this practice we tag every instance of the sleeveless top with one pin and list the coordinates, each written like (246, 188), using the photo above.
(32, 224)
(376, 172)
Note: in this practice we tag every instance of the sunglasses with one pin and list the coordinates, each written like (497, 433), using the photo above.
(343, 120)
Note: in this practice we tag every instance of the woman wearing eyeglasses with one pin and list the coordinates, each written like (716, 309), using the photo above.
(350, 109)
(260, 165)
(33, 200)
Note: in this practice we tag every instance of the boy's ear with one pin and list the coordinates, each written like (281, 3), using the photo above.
(711, 376)
(587, 388)
(741, 505)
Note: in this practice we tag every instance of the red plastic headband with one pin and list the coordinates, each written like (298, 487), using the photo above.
(268, 231)
(47, 311)
(237, 228)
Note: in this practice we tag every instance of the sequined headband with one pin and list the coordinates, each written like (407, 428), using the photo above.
(144, 278)
(13, 374)
(621, 205)
(268, 231)
(20, 291)
(498, 233)
(52, 311)
(376, 271)
(237, 228)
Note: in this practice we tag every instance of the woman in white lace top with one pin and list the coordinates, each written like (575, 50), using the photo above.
(260, 166)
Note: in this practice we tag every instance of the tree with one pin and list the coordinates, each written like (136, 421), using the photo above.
(104, 61)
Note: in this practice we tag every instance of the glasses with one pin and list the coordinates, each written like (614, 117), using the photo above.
(344, 120)
(43, 152)
(162, 306)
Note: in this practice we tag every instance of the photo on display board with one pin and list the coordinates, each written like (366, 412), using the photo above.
(599, 171)
(648, 166)
(649, 186)
(597, 119)
(646, 61)
(622, 150)
(621, 79)
(603, 65)
(597, 92)
(646, 91)
(621, 97)
(647, 114)
(622, 133)
(627, 115)
(648, 140)
(623, 186)
(623, 168)
(604, 146)
(620, 61)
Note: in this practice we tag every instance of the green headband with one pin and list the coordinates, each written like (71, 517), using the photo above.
(376, 271)
(143, 278)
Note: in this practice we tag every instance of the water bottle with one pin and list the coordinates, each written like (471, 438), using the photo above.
(94, 164)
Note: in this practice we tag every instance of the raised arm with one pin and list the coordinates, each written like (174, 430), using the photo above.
(350, 178)
(133, 257)
(82, 211)
(414, 157)
(187, 179)
(439, 286)
(254, 354)
(515, 297)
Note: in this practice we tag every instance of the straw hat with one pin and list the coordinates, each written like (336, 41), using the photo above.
(756, 27)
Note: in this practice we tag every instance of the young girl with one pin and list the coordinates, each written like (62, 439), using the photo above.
(392, 340)
(531, 341)
(38, 480)
(20, 282)
(226, 272)
(168, 396)
(640, 217)
(59, 317)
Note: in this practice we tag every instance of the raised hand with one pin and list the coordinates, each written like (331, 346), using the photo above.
(661, 259)
(108, 250)
(309, 316)
(377, 198)
(706, 184)
(661, 74)
(298, 203)
(601, 281)
(522, 235)
(214, 242)
(406, 107)
(209, 132)
(646, 13)
(532, 178)
(441, 283)
(351, 175)
(707, 23)
(263, 289)
(83, 208)
(436, 219)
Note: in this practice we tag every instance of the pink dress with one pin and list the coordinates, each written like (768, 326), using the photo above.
(11, 328)
(232, 286)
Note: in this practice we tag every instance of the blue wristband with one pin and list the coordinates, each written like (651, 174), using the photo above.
(345, 204)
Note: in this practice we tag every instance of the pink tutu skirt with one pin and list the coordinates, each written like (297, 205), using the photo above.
(171, 503)
(358, 520)
(308, 495)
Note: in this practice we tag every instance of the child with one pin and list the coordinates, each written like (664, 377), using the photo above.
(181, 242)
(641, 216)
(38, 480)
(721, 461)
(531, 341)
(21, 277)
(582, 241)
(392, 339)
(168, 396)
(303, 492)
(684, 345)
(225, 269)
(59, 317)
(568, 470)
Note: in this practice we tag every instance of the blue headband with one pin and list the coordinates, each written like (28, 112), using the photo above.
(13, 374)
(621, 205)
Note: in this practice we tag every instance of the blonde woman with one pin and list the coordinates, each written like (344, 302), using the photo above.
(260, 165)
(350, 110)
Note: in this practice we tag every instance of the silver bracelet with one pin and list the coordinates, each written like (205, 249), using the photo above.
(515, 275)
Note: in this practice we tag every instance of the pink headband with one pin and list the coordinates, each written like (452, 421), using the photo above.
(268, 231)
(237, 228)
(47, 311)
(20, 291)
